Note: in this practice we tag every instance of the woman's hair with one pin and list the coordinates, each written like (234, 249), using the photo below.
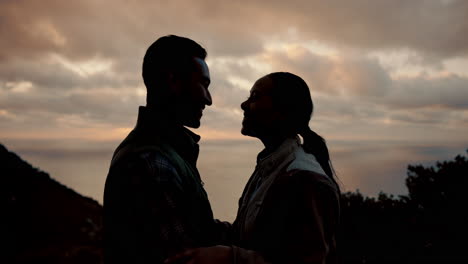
(291, 96)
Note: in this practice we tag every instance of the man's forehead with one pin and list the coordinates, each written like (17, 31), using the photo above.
(202, 67)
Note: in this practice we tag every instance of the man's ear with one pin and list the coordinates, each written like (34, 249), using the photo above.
(173, 83)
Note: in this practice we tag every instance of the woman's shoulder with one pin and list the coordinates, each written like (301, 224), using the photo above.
(309, 180)
(305, 161)
(305, 170)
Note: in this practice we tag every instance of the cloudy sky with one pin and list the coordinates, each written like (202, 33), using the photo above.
(389, 80)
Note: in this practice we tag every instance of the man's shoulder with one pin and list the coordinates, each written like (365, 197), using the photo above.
(145, 159)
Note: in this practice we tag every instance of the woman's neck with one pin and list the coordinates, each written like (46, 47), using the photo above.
(272, 143)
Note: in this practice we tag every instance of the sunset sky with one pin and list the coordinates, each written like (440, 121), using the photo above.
(389, 80)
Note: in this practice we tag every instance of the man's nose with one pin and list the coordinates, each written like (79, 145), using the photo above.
(208, 100)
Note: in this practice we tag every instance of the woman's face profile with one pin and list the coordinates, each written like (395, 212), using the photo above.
(259, 115)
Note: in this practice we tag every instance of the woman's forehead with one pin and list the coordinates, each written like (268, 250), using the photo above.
(262, 85)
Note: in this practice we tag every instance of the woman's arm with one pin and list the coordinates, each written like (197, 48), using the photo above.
(309, 208)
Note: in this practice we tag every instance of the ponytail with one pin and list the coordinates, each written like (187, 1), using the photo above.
(291, 96)
(314, 144)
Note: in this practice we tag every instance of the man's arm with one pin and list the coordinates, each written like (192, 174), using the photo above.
(224, 232)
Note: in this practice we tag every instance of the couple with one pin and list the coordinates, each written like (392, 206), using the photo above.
(155, 207)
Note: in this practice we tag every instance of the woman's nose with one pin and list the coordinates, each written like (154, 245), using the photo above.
(244, 105)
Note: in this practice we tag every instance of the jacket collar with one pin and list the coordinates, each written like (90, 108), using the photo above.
(272, 160)
(155, 127)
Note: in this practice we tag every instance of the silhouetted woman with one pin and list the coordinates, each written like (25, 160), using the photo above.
(289, 210)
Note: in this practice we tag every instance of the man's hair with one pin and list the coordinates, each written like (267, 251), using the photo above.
(169, 54)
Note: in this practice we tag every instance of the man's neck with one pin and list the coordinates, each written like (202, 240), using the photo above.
(164, 113)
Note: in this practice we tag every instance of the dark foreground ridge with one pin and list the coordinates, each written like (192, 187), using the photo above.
(46, 222)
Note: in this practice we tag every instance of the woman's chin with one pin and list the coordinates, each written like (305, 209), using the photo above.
(247, 132)
(244, 131)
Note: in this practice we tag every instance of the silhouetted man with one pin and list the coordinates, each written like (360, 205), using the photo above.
(154, 201)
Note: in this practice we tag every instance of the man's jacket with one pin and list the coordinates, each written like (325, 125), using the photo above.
(154, 201)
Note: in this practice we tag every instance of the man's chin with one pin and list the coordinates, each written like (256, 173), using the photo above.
(192, 123)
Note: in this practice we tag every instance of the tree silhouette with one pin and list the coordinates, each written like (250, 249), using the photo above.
(428, 226)
(442, 188)
(440, 195)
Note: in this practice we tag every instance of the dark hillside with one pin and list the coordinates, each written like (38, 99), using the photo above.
(46, 222)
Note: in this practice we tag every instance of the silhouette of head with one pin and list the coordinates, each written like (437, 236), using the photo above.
(177, 79)
(279, 103)
(280, 106)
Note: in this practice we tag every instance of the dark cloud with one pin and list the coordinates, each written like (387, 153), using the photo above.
(366, 79)
(50, 42)
(233, 66)
(349, 75)
(318, 71)
(52, 76)
(87, 28)
(51, 110)
(433, 28)
(446, 92)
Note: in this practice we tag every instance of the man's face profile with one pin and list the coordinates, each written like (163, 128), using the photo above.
(192, 94)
